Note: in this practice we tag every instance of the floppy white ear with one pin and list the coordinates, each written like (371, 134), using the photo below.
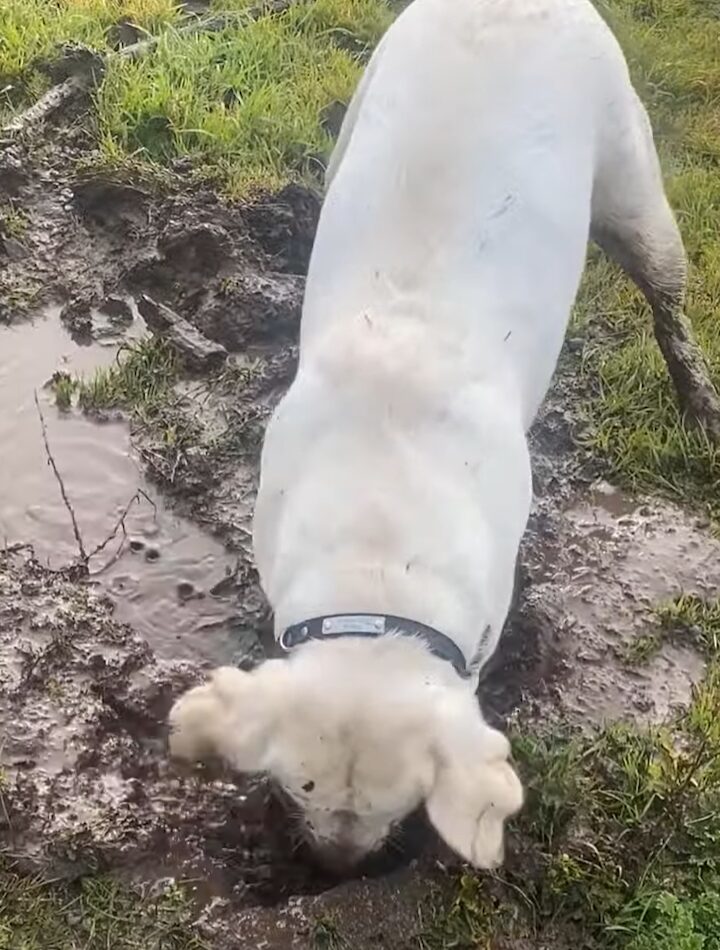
(230, 716)
(475, 789)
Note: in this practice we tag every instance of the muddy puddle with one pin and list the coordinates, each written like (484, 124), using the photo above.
(596, 572)
(163, 576)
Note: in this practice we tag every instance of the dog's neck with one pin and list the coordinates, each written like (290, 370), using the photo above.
(373, 626)
(414, 594)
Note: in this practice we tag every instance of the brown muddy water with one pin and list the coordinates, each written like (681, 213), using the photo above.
(160, 575)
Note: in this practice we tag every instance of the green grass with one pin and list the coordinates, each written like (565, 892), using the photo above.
(620, 840)
(141, 379)
(326, 935)
(691, 618)
(95, 914)
(243, 104)
(64, 387)
(465, 921)
(633, 419)
(31, 31)
(13, 222)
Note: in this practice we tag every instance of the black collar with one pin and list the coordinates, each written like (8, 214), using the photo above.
(335, 626)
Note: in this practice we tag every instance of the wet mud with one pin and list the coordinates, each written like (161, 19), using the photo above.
(167, 578)
(89, 665)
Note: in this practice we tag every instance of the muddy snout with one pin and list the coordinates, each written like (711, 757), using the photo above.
(338, 858)
(343, 857)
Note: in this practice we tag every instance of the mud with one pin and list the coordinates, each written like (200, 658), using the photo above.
(90, 666)
(595, 572)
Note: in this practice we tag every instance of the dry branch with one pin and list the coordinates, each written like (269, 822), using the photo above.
(61, 484)
(84, 555)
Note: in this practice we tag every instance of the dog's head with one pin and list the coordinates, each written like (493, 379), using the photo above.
(356, 747)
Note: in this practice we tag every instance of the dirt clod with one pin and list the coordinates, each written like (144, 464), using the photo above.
(196, 351)
(117, 308)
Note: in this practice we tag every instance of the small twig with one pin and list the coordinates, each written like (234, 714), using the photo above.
(85, 556)
(112, 560)
(119, 526)
(59, 479)
(47, 104)
(120, 523)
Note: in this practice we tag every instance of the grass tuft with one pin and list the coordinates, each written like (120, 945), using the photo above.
(463, 922)
(94, 914)
(142, 379)
(13, 221)
(326, 934)
(245, 104)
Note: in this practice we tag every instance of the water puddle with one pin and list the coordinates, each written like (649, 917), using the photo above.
(162, 578)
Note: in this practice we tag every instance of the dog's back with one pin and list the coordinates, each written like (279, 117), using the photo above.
(482, 140)
(464, 191)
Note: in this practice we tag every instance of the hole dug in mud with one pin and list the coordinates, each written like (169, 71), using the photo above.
(284, 831)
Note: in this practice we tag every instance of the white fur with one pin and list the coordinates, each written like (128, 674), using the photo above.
(482, 139)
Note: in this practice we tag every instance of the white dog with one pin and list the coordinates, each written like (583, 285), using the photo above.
(485, 141)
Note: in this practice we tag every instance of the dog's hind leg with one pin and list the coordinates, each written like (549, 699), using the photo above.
(633, 223)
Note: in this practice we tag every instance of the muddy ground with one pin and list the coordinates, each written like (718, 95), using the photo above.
(90, 663)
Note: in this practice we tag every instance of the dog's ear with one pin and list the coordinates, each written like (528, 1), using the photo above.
(475, 788)
(230, 716)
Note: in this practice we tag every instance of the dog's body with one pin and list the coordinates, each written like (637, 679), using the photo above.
(485, 140)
